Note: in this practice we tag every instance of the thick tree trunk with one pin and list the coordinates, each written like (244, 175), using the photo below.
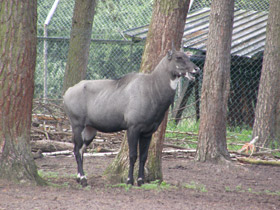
(267, 119)
(167, 25)
(17, 65)
(212, 132)
(80, 38)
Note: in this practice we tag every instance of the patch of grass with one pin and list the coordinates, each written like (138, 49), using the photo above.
(63, 185)
(239, 189)
(52, 177)
(48, 174)
(240, 135)
(234, 134)
(179, 132)
(277, 193)
(227, 188)
(195, 186)
(186, 125)
(122, 185)
(154, 185)
(157, 185)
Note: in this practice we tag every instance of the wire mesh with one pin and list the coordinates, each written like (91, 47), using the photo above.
(107, 60)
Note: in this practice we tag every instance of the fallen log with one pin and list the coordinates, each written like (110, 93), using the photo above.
(103, 154)
(65, 152)
(50, 146)
(259, 162)
(173, 146)
(101, 149)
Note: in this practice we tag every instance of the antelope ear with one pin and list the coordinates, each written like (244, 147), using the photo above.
(169, 54)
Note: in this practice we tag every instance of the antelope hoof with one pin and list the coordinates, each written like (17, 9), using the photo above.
(129, 181)
(84, 182)
(140, 181)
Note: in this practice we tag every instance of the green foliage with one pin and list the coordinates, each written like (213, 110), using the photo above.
(186, 125)
(110, 19)
(56, 62)
(107, 59)
(113, 59)
(187, 131)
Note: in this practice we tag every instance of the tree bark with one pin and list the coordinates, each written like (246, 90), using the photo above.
(167, 25)
(267, 115)
(215, 87)
(80, 39)
(18, 41)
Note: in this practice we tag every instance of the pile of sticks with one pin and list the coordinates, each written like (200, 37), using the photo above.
(51, 131)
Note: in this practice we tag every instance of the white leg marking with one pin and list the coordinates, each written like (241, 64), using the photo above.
(83, 177)
(81, 151)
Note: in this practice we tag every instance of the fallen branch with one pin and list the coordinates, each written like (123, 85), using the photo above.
(259, 162)
(173, 146)
(261, 153)
(50, 146)
(179, 150)
(66, 152)
(183, 139)
(101, 149)
(102, 154)
(184, 133)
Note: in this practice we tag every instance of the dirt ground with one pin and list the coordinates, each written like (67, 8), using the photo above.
(190, 185)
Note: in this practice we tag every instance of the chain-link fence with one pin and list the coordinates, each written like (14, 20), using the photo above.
(107, 60)
(112, 55)
(256, 5)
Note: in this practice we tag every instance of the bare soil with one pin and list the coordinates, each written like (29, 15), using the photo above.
(190, 185)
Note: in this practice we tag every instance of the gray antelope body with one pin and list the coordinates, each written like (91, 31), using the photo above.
(136, 103)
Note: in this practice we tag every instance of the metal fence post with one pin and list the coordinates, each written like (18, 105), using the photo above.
(48, 19)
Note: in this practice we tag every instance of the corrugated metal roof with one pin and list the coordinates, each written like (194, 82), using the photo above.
(248, 38)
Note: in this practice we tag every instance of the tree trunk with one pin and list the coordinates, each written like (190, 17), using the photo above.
(215, 87)
(167, 25)
(266, 124)
(80, 38)
(18, 57)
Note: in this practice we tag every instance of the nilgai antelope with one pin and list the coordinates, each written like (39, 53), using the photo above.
(136, 102)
